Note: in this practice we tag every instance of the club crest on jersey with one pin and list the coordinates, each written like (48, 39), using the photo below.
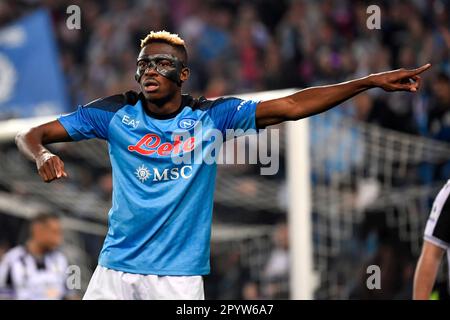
(186, 123)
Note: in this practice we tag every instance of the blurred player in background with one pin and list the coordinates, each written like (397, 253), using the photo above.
(36, 270)
(436, 244)
(158, 243)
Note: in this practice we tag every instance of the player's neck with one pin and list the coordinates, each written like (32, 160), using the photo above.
(165, 106)
(35, 249)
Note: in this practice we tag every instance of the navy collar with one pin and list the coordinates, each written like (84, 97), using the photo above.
(186, 100)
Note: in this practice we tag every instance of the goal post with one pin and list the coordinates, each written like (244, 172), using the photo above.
(299, 210)
(302, 277)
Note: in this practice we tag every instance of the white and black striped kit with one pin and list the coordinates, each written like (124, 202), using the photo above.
(22, 276)
(437, 230)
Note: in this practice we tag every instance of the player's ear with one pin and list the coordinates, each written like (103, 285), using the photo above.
(185, 72)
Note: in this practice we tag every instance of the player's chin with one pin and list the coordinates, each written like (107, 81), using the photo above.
(157, 95)
(153, 94)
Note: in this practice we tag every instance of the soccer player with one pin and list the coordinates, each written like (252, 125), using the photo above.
(436, 243)
(36, 270)
(157, 245)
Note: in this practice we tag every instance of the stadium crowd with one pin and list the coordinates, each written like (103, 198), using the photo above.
(244, 46)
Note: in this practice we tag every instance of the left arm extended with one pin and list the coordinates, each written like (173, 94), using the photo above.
(311, 101)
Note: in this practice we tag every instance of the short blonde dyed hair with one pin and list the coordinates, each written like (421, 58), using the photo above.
(163, 36)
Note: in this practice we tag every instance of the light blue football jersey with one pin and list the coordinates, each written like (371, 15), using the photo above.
(161, 214)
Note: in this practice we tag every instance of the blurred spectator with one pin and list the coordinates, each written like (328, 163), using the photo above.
(439, 114)
(394, 112)
(244, 47)
(396, 273)
(439, 120)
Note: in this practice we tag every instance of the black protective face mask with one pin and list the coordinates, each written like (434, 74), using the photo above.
(166, 65)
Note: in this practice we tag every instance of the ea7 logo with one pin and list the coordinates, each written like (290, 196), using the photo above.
(130, 122)
(186, 123)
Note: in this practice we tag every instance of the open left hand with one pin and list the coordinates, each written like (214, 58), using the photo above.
(399, 80)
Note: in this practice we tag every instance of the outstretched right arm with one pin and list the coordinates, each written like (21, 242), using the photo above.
(31, 143)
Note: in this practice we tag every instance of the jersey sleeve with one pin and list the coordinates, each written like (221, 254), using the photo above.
(87, 123)
(234, 113)
(437, 230)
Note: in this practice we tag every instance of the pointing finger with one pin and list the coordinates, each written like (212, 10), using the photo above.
(419, 70)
